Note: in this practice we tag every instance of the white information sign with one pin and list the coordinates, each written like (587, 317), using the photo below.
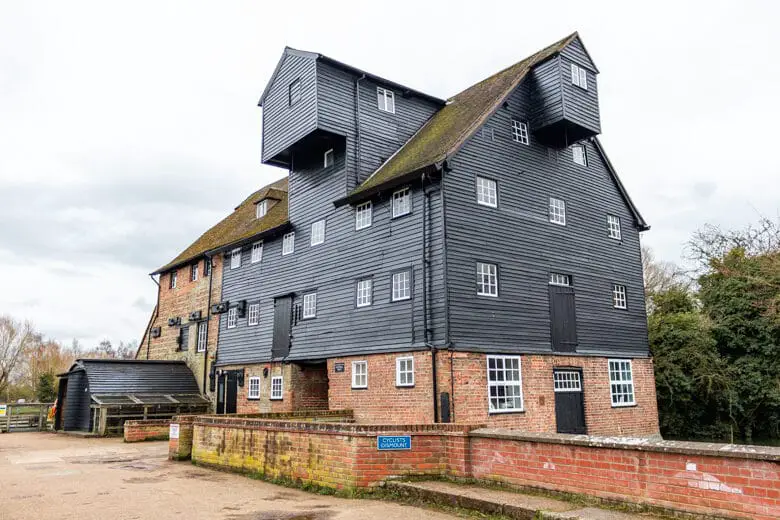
(174, 432)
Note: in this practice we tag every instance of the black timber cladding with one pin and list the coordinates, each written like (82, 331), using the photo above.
(114, 376)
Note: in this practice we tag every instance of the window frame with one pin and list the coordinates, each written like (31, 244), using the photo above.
(207, 267)
(579, 76)
(298, 86)
(370, 281)
(355, 385)
(570, 380)
(479, 274)
(520, 132)
(398, 361)
(409, 282)
(232, 316)
(584, 155)
(235, 253)
(321, 237)
(261, 208)
(478, 191)
(383, 92)
(203, 336)
(194, 272)
(559, 279)
(365, 208)
(174, 279)
(491, 384)
(556, 217)
(621, 382)
(257, 247)
(619, 292)
(280, 396)
(399, 195)
(304, 315)
(613, 224)
(249, 393)
(249, 314)
(328, 154)
(288, 238)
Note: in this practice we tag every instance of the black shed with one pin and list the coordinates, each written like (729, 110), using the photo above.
(98, 395)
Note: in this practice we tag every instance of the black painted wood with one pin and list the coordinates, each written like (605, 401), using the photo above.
(563, 319)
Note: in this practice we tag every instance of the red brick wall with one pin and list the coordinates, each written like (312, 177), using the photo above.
(149, 430)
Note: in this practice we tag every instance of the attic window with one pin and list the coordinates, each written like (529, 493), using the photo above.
(328, 159)
(519, 131)
(579, 76)
(578, 155)
(261, 209)
(385, 100)
(295, 91)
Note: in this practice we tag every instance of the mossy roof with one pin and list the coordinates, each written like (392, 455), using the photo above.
(239, 225)
(448, 129)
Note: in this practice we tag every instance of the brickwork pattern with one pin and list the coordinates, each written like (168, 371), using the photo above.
(148, 430)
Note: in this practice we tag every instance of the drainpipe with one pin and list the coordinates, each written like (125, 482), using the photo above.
(357, 132)
(156, 314)
(426, 333)
(445, 168)
(208, 319)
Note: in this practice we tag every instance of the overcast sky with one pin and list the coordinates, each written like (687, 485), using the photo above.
(128, 128)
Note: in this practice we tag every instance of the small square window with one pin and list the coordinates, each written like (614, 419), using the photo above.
(402, 286)
(621, 382)
(277, 387)
(487, 192)
(203, 332)
(232, 318)
(505, 384)
(404, 371)
(288, 243)
(295, 92)
(359, 374)
(560, 279)
(318, 232)
(579, 76)
(364, 292)
(613, 226)
(327, 161)
(310, 305)
(254, 388)
(174, 279)
(257, 252)
(579, 155)
(235, 258)
(261, 209)
(254, 314)
(487, 279)
(385, 100)
(557, 211)
(363, 215)
(194, 273)
(520, 131)
(487, 134)
(619, 296)
(402, 202)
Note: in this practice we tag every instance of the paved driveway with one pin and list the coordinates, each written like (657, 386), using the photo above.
(46, 476)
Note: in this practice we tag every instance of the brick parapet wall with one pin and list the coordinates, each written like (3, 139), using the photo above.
(146, 430)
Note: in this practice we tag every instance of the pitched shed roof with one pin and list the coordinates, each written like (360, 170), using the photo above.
(129, 376)
(450, 127)
(239, 225)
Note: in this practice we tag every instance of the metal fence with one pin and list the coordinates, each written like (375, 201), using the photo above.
(25, 417)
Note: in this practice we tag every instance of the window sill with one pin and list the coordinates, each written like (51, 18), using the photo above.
(276, 398)
(508, 412)
(401, 216)
(359, 388)
(404, 386)
(634, 405)
(399, 300)
(252, 398)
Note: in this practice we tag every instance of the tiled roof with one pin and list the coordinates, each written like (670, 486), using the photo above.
(239, 225)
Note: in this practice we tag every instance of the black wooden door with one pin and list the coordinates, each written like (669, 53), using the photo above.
(569, 401)
(221, 392)
(563, 319)
(231, 392)
(282, 318)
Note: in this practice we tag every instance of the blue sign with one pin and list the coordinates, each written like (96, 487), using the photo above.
(394, 442)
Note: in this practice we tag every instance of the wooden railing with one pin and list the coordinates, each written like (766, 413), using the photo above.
(25, 417)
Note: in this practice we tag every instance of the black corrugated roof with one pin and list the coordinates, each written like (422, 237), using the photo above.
(129, 376)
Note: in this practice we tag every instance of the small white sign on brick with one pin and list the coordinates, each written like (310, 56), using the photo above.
(174, 431)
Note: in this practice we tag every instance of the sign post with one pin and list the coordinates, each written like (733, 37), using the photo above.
(393, 442)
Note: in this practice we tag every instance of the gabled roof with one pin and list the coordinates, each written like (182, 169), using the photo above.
(239, 225)
(450, 127)
(343, 66)
(121, 376)
(640, 221)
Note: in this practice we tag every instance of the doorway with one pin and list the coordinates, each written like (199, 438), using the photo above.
(227, 392)
(569, 400)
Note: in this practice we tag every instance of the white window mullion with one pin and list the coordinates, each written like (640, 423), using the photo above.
(621, 382)
(505, 384)
(359, 374)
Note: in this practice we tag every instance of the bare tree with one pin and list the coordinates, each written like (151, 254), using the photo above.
(711, 242)
(661, 275)
(16, 339)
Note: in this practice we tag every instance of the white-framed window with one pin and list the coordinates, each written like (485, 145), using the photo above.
(404, 371)
(232, 318)
(579, 76)
(363, 215)
(360, 374)
(619, 296)
(277, 388)
(288, 243)
(310, 305)
(174, 279)
(295, 92)
(207, 267)
(402, 286)
(194, 273)
(317, 232)
(203, 336)
(520, 131)
(557, 211)
(257, 252)
(235, 258)
(327, 159)
(385, 100)
(567, 381)
(253, 314)
(560, 279)
(254, 388)
(487, 192)
(487, 279)
(364, 292)
(402, 202)
(505, 384)
(613, 227)
(261, 208)
(621, 382)
(579, 155)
